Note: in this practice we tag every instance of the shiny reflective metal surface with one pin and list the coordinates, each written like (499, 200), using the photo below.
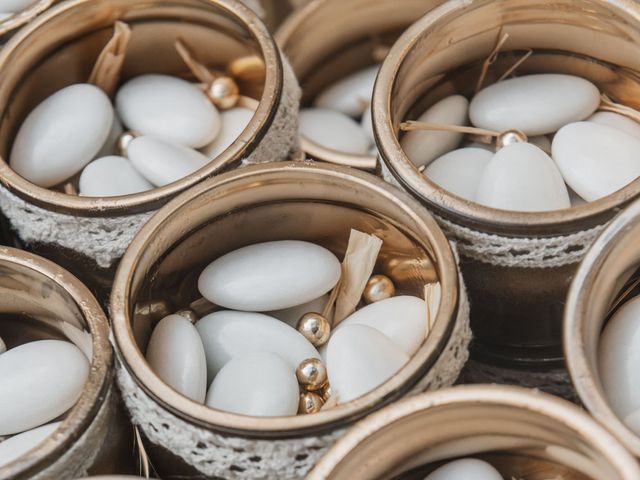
(524, 434)
(329, 39)
(600, 285)
(287, 200)
(517, 312)
(39, 300)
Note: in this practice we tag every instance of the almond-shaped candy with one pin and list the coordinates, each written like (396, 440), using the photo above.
(459, 171)
(535, 104)
(618, 121)
(619, 359)
(467, 469)
(14, 447)
(632, 421)
(359, 359)
(168, 107)
(422, 146)
(350, 95)
(293, 314)
(233, 122)
(595, 159)
(162, 161)
(403, 319)
(334, 130)
(227, 334)
(261, 384)
(366, 123)
(523, 178)
(176, 354)
(62, 134)
(270, 276)
(111, 175)
(40, 381)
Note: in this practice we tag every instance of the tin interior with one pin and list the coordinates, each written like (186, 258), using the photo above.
(61, 47)
(329, 40)
(40, 301)
(442, 54)
(523, 439)
(281, 201)
(602, 284)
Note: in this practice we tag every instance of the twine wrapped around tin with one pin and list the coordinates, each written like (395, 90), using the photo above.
(226, 445)
(102, 228)
(517, 265)
(55, 301)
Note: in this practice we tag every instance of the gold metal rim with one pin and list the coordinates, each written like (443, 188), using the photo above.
(153, 199)
(100, 374)
(21, 18)
(279, 427)
(506, 222)
(474, 395)
(577, 315)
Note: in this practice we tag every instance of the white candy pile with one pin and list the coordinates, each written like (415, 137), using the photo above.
(78, 130)
(341, 115)
(619, 362)
(574, 153)
(467, 469)
(250, 359)
(39, 382)
(8, 8)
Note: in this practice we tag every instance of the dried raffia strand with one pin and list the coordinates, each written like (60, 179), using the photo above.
(608, 105)
(143, 457)
(328, 307)
(514, 67)
(491, 59)
(432, 293)
(107, 69)
(357, 266)
(411, 125)
(200, 71)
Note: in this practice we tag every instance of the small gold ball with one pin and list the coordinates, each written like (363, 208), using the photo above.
(510, 137)
(123, 142)
(309, 403)
(311, 374)
(379, 287)
(224, 92)
(315, 328)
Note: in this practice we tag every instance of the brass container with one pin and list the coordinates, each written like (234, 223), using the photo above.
(607, 277)
(39, 300)
(10, 25)
(525, 434)
(517, 311)
(320, 203)
(60, 48)
(326, 40)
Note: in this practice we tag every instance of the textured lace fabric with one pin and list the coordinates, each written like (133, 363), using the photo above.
(104, 239)
(234, 457)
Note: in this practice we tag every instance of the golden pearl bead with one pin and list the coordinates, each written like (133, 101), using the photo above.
(379, 287)
(224, 92)
(123, 142)
(311, 374)
(510, 137)
(315, 328)
(309, 403)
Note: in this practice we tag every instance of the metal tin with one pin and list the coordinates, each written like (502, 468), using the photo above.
(286, 200)
(60, 47)
(601, 283)
(329, 39)
(517, 312)
(40, 300)
(10, 25)
(523, 433)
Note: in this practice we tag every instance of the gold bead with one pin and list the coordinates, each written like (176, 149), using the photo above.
(124, 140)
(309, 403)
(189, 315)
(224, 92)
(378, 288)
(315, 328)
(509, 137)
(311, 374)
